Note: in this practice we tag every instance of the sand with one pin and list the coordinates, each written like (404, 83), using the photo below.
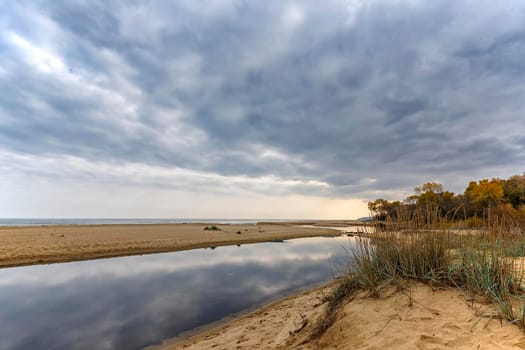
(48, 244)
(424, 318)
(429, 319)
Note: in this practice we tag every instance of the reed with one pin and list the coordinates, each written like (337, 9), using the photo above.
(481, 263)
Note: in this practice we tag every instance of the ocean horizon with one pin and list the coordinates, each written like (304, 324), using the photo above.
(128, 221)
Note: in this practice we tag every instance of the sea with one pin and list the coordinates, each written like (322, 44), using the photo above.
(127, 221)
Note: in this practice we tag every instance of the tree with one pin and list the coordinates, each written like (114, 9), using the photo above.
(383, 209)
(484, 194)
(514, 190)
(432, 202)
(429, 187)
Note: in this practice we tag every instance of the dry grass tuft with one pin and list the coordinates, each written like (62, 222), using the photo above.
(480, 264)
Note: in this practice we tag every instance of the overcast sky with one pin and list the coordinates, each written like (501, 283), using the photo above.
(261, 109)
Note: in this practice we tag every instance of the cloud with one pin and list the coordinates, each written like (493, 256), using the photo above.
(319, 98)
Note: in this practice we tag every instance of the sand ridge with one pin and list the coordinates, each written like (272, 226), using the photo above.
(61, 243)
(421, 318)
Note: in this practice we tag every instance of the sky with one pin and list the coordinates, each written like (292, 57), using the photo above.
(253, 109)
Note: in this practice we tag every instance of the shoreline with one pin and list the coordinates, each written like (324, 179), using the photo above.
(427, 317)
(206, 332)
(203, 331)
(33, 245)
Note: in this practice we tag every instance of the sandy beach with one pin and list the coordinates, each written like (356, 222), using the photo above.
(423, 317)
(431, 318)
(47, 244)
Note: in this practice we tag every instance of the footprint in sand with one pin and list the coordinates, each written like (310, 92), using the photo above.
(429, 339)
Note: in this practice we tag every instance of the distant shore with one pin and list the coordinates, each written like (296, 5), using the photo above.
(29, 245)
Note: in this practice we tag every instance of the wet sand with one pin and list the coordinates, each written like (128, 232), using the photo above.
(48, 244)
(425, 318)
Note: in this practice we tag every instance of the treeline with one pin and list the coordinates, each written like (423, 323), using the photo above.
(482, 202)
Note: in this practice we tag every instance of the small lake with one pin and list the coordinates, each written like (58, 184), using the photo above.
(136, 301)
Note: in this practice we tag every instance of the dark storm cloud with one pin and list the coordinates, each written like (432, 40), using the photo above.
(364, 97)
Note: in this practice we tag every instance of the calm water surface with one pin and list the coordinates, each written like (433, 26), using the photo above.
(58, 221)
(132, 302)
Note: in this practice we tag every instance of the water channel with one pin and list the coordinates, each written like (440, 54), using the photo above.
(136, 301)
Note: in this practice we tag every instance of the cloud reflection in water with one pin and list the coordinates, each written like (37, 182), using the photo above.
(135, 301)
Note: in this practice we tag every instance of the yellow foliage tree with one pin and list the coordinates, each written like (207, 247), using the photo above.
(485, 193)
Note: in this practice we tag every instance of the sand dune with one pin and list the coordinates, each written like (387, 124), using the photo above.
(428, 319)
